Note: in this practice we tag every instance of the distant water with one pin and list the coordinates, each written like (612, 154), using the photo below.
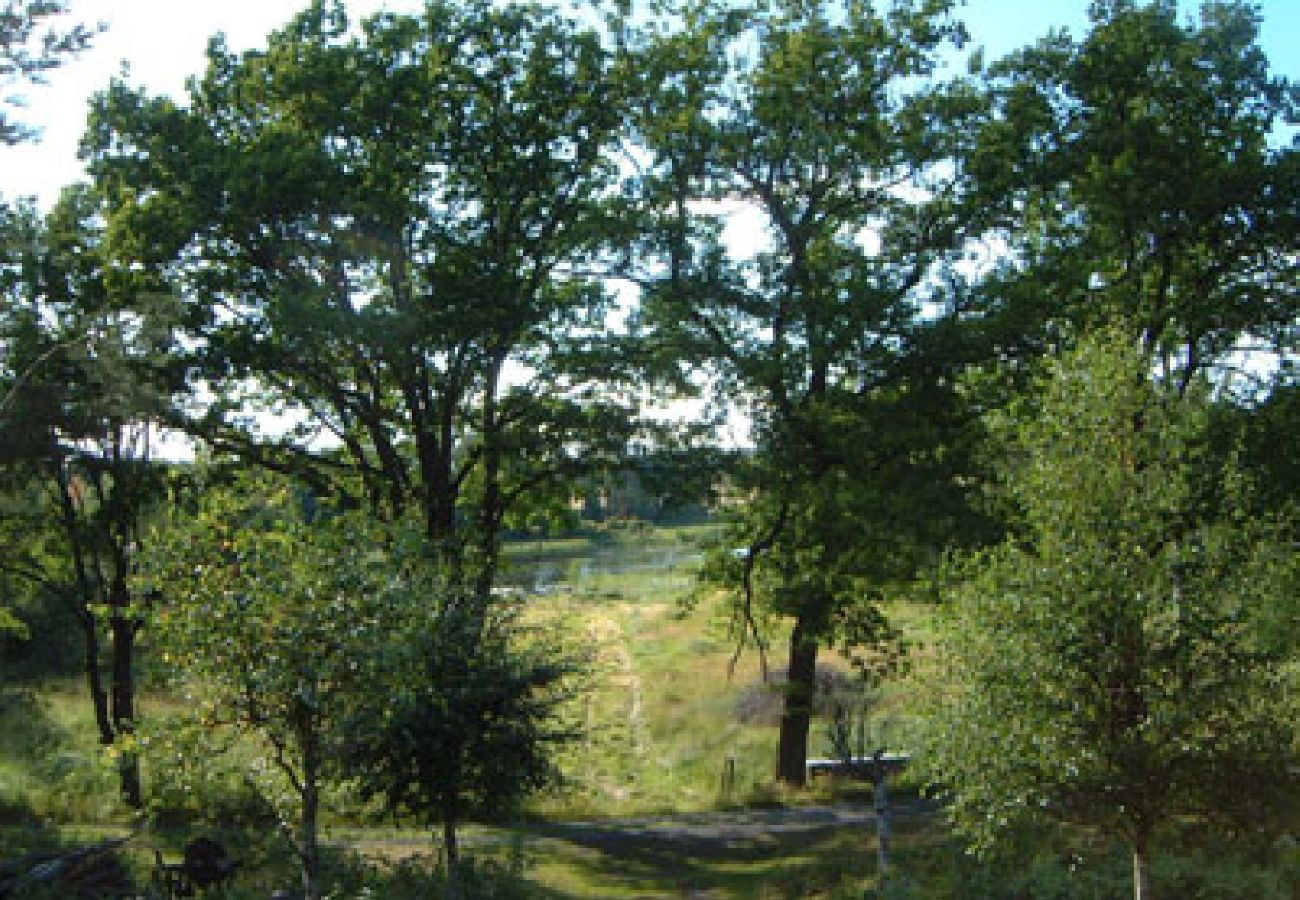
(545, 573)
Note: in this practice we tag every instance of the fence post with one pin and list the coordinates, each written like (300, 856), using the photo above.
(728, 785)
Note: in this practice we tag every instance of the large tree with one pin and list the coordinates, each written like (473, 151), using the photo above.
(1138, 177)
(820, 121)
(384, 230)
(1114, 664)
(81, 381)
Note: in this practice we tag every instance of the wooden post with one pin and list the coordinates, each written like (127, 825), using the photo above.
(882, 821)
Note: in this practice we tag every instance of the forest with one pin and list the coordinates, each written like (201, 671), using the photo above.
(414, 480)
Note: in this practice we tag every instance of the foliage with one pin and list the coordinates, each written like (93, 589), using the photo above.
(464, 716)
(1259, 431)
(420, 878)
(83, 383)
(199, 782)
(267, 618)
(1106, 665)
(386, 230)
(1135, 177)
(338, 650)
(32, 43)
(1223, 876)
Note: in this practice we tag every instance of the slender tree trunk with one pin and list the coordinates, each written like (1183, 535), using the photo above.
(452, 850)
(310, 839)
(1141, 868)
(94, 680)
(492, 510)
(801, 683)
(123, 629)
(83, 605)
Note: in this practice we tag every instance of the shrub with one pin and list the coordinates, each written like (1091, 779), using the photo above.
(424, 878)
(1185, 876)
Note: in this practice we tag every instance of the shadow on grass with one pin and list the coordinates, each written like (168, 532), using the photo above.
(591, 861)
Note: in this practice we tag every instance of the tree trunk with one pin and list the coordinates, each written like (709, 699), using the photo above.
(453, 856)
(801, 684)
(123, 629)
(492, 508)
(1141, 868)
(309, 838)
(83, 606)
(94, 680)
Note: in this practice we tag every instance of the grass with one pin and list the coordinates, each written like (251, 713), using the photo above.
(53, 773)
(663, 714)
(790, 867)
(663, 722)
(660, 713)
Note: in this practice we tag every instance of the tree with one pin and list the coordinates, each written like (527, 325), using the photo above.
(81, 387)
(462, 715)
(385, 233)
(266, 619)
(1136, 178)
(27, 51)
(837, 339)
(1108, 665)
(341, 650)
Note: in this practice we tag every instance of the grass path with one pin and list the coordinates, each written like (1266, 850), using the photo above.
(763, 853)
(609, 635)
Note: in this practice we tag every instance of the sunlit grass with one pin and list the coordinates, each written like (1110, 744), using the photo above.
(657, 716)
(662, 729)
(658, 713)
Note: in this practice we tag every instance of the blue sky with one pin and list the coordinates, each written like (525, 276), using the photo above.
(1004, 25)
(162, 42)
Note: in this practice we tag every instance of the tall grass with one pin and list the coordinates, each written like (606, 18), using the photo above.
(664, 729)
(52, 771)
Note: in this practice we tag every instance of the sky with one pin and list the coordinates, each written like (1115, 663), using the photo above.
(162, 42)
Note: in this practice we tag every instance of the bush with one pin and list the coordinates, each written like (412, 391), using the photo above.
(190, 794)
(1185, 876)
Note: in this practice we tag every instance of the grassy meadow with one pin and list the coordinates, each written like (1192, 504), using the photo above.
(664, 716)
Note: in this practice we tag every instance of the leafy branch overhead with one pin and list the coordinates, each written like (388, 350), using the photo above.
(389, 252)
(34, 38)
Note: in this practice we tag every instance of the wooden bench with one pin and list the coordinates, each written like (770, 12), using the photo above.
(863, 768)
